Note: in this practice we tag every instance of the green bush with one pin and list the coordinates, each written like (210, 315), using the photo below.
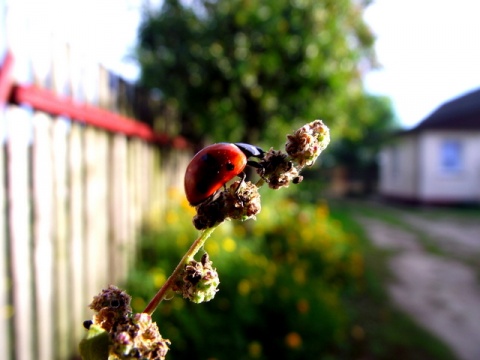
(282, 282)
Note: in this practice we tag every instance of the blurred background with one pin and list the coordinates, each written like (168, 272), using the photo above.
(373, 256)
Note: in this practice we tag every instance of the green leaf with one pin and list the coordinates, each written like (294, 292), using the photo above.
(95, 344)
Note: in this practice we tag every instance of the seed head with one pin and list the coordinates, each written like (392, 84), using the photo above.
(306, 144)
(130, 336)
(241, 201)
(277, 170)
(198, 281)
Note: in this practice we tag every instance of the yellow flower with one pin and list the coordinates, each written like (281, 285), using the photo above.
(158, 278)
(229, 245)
(182, 240)
(321, 212)
(358, 333)
(174, 193)
(138, 302)
(293, 340)
(356, 264)
(172, 217)
(212, 248)
(255, 349)
(299, 275)
(244, 287)
(303, 306)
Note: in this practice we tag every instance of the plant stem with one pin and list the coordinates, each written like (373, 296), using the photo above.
(189, 255)
(259, 183)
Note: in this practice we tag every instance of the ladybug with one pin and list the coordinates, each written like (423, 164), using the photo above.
(215, 165)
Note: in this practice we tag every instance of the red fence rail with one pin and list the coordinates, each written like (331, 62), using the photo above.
(51, 103)
(6, 81)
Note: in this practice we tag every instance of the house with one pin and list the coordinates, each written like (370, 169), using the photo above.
(438, 161)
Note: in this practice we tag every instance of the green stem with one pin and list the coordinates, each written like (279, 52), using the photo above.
(189, 255)
(259, 183)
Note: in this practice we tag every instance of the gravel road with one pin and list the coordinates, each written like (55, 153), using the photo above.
(435, 265)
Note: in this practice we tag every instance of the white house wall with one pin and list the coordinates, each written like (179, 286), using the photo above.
(399, 168)
(438, 185)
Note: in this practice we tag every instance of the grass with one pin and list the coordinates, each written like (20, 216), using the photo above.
(386, 333)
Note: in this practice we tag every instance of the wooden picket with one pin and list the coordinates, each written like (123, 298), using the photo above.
(43, 230)
(81, 178)
(76, 231)
(19, 231)
(4, 275)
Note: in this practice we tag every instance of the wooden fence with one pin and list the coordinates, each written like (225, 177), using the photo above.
(77, 180)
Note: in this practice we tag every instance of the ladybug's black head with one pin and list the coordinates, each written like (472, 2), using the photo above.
(251, 150)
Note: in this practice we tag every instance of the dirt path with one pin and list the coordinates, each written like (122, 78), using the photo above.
(438, 289)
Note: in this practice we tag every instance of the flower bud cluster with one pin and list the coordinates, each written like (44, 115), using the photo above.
(307, 143)
(302, 149)
(130, 336)
(110, 306)
(139, 338)
(278, 170)
(241, 201)
(198, 281)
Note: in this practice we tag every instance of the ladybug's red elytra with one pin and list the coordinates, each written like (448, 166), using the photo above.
(215, 165)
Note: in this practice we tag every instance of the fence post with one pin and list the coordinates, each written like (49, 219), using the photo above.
(78, 263)
(42, 203)
(5, 307)
(19, 231)
(76, 220)
(43, 232)
(95, 202)
(62, 299)
(19, 210)
(134, 196)
(118, 209)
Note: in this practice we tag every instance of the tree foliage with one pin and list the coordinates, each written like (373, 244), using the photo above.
(245, 69)
(358, 150)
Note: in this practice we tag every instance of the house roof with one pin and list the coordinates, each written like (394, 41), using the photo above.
(461, 113)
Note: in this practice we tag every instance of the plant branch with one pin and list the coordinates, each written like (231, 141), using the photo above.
(189, 255)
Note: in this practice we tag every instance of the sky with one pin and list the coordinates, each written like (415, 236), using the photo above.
(429, 50)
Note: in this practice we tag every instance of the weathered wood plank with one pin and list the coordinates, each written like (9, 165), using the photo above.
(5, 307)
(42, 197)
(60, 84)
(102, 207)
(118, 209)
(76, 216)
(43, 232)
(61, 241)
(95, 211)
(19, 231)
(92, 256)
(79, 298)
(134, 191)
(156, 185)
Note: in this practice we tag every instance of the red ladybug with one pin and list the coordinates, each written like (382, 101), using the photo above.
(212, 167)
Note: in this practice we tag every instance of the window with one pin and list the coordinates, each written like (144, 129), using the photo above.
(451, 156)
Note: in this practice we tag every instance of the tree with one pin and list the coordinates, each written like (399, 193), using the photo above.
(244, 69)
(357, 150)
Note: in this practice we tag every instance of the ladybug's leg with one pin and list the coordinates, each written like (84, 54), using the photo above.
(254, 164)
(243, 176)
